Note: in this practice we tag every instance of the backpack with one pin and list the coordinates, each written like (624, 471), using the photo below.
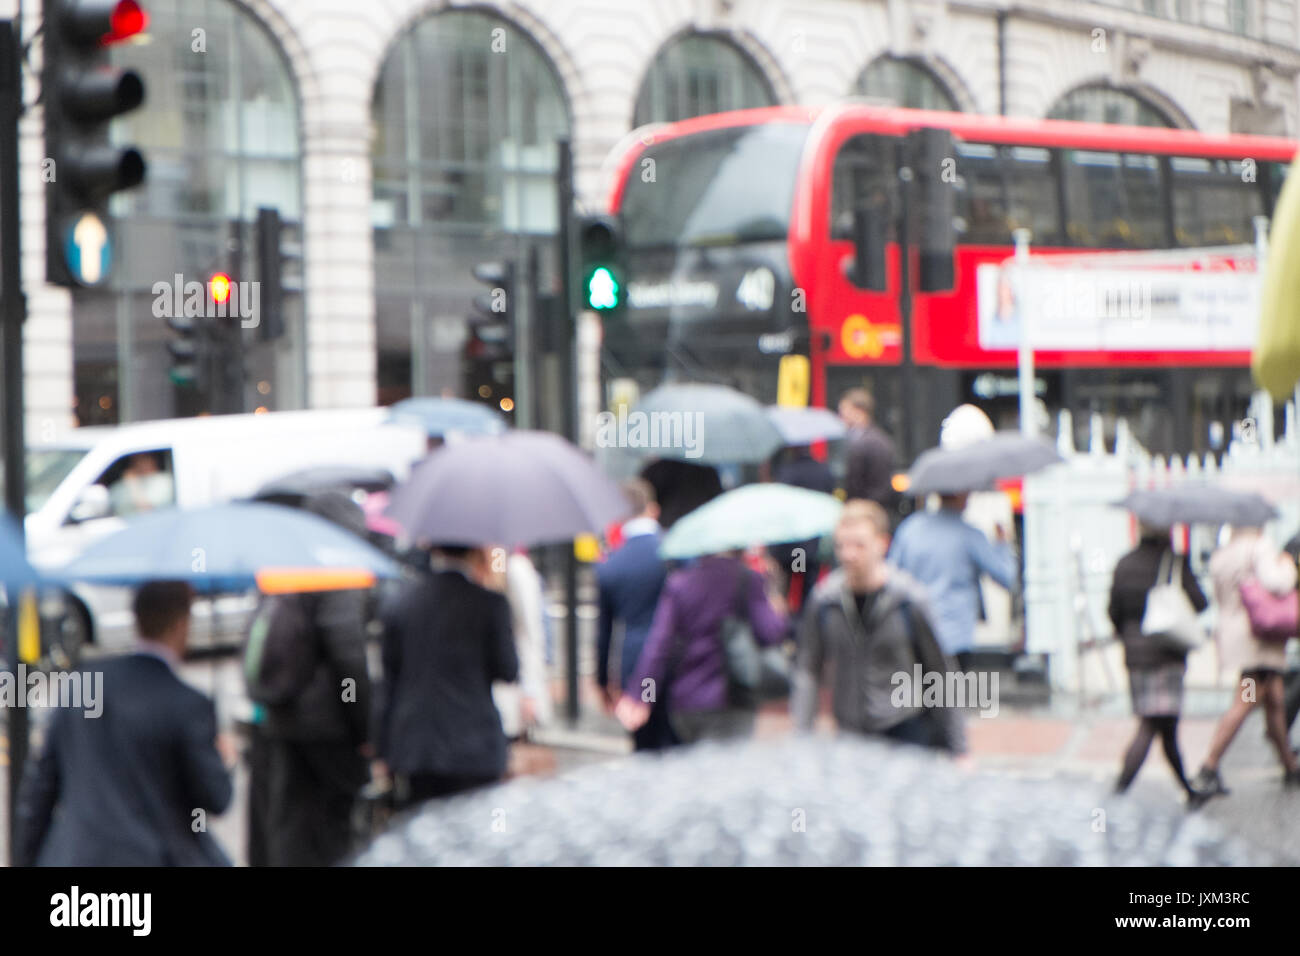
(280, 652)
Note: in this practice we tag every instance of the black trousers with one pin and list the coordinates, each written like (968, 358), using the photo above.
(1292, 696)
(656, 733)
(312, 789)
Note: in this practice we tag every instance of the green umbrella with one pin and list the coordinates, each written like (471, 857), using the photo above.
(755, 514)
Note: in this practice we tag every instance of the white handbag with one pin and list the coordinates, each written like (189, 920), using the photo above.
(1169, 613)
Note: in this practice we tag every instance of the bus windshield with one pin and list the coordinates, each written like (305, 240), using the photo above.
(722, 187)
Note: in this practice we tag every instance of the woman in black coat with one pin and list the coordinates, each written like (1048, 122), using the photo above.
(1155, 667)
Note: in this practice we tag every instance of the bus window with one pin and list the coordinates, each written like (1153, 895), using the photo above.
(864, 172)
(1214, 200)
(1276, 176)
(1001, 189)
(1113, 201)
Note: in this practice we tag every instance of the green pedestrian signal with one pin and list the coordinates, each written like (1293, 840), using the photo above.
(601, 261)
(602, 290)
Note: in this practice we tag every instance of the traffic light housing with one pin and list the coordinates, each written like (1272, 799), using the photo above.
(279, 265)
(188, 353)
(602, 275)
(493, 322)
(82, 93)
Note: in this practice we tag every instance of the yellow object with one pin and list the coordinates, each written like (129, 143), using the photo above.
(900, 482)
(302, 580)
(586, 548)
(29, 629)
(792, 381)
(1276, 362)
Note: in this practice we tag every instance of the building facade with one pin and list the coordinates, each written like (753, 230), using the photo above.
(403, 141)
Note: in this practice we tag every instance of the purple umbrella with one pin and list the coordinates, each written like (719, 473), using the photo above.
(522, 488)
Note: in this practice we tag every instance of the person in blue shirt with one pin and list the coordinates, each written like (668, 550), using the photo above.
(949, 556)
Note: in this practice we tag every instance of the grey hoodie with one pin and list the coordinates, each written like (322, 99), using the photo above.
(864, 688)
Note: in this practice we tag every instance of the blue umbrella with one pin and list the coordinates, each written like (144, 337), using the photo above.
(438, 416)
(805, 425)
(15, 571)
(233, 547)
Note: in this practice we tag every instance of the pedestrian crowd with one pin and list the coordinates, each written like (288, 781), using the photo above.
(686, 651)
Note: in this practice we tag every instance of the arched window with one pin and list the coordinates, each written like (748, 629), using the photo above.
(1103, 104)
(467, 111)
(699, 74)
(904, 82)
(219, 131)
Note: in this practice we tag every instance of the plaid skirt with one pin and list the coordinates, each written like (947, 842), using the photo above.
(1157, 691)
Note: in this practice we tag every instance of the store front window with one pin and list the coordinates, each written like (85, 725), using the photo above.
(220, 132)
(904, 82)
(467, 111)
(699, 74)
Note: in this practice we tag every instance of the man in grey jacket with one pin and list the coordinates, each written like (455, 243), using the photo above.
(869, 623)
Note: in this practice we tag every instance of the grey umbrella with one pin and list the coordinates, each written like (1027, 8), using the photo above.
(306, 482)
(976, 466)
(702, 424)
(798, 801)
(803, 426)
(1199, 504)
(520, 488)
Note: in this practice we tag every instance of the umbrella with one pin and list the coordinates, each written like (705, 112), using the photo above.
(520, 488)
(1276, 359)
(702, 424)
(814, 801)
(233, 547)
(766, 513)
(15, 571)
(306, 482)
(803, 426)
(1199, 504)
(976, 466)
(438, 416)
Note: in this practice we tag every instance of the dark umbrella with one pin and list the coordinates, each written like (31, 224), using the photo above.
(803, 801)
(701, 424)
(521, 488)
(804, 426)
(438, 416)
(15, 571)
(1199, 504)
(306, 482)
(976, 466)
(233, 547)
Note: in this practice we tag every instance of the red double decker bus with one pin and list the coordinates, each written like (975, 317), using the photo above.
(751, 236)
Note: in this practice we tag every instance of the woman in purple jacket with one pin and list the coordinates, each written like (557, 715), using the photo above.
(683, 653)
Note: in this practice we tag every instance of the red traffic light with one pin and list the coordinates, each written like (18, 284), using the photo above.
(219, 287)
(126, 20)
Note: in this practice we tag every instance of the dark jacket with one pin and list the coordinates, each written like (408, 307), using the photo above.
(869, 456)
(629, 583)
(805, 471)
(121, 789)
(1135, 575)
(446, 639)
(320, 711)
(863, 685)
(681, 487)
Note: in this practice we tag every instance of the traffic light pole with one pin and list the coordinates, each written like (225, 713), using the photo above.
(13, 312)
(568, 402)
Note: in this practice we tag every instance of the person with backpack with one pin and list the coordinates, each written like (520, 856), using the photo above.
(868, 622)
(306, 669)
(1249, 556)
(702, 609)
(1156, 665)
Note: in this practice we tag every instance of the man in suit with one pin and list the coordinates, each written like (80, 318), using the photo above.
(132, 787)
(446, 639)
(629, 583)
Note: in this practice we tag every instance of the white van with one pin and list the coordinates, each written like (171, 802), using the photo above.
(75, 494)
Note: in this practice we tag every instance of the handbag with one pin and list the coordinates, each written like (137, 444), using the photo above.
(1274, 618)
(1169, 613)
(754, 673)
